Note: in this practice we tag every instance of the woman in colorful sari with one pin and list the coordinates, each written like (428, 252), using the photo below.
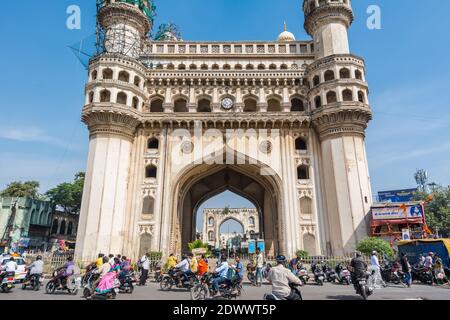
(107, 281)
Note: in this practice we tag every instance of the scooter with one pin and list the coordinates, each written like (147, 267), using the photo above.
(34, 281)
(126, 286)
(110, 294)
(344, 276)
(274, 297)
(303, 274)
(7, 283)
(362, 287)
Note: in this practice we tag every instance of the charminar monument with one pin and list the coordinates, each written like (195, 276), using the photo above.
(173, 123)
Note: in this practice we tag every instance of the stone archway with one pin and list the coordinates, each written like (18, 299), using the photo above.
(202, 182)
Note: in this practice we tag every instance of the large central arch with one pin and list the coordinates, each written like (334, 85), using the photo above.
(200, 182)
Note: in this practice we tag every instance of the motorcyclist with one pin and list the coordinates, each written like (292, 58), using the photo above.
(359, 269)
(124, 268)
(183, 269)
(280, 277)
(66, 271)
(10, 267)
(37, 267)
(222, 272)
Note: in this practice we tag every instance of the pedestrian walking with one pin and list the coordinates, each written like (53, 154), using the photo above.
(259, 267)
(377, 278)
(406, 269)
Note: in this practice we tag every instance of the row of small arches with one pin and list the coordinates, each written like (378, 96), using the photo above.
(238, 66)
(331, 97)
(204, 105)
(344, 73)
(124, 76)
(62, 229)
(121, 98)
(251, 221)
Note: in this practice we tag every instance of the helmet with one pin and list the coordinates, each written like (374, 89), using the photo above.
(358, 254)
(39, 258)
(430, 254)
(374, 252)
(281, 259)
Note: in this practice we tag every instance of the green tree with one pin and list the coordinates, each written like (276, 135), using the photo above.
(68, 195)
(379, 245)
(437, 209)
(197, 244)
(22, 189)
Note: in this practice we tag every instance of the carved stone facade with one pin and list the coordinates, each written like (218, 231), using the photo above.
(158, 118)
(213, 219)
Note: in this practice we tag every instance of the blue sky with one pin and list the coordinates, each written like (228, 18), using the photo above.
(42, 138)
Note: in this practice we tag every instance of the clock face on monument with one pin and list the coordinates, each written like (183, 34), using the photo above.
(227, 103)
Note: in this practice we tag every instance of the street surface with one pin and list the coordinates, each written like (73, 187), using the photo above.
(309, 292)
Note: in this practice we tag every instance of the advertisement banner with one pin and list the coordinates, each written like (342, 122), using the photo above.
(404, 195)
(397, 212)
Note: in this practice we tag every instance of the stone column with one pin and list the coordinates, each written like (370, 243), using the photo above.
(103, 209)
(345, 176)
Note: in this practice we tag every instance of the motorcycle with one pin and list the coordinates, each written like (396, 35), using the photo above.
(273, 297)
(57, 283)
(422, 274)
(7, 283)
(362, 287)
(343, 275)
(126, 284)
(204, 288)
(34, 281)
(319, 276)
(89, 270)
(107, 295)
(178, 280)
(303, 274)
(330, 275)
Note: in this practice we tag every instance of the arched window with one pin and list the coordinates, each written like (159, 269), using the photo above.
(105, 96)
(347, 95)
(135, 102)
(204, 67)
(300, 144)
(361, 97)
(70, 228)
(297, 105)
(284, 67)
(316, 81)
(107, 74)
(303, 172)
(153, 144)
(94, 75)
(329, 75)
(261, 67)
(124, 76)
(273, 67)
(55, 226)
(137, 81)
(274, 105)
(91, 97)
(309, 244)
(305, 205)
(210, 236)
(238, 67)
(249, 67)
(344, 73)
(148, 205)
(170, 66)
(180, 106)
(226, 67)
(122, 98)
(358, 74)
(193, 67)
(181, 67)
(62, 228)
(318, 102)
(215, 66)
(331, 97)
(204, 105)
(156, 105)
(250, 105)
(150, 171)
(251, 221)
(211, 221)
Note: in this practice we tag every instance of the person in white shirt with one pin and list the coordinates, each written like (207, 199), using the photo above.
(11, 265)
(183, 268)
(375, 264)
(429, 261)
(145, 267)
(281, 277)
(259, 267)
(222, 274)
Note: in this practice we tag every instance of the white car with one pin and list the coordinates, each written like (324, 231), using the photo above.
(21, 271)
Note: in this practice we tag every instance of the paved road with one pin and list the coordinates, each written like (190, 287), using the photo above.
(309, 292)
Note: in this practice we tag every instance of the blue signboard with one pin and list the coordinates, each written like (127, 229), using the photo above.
(405, 195)
(251, 246)
(261, 246)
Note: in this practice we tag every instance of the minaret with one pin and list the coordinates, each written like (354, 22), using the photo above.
(115, 97)
(338, 95)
